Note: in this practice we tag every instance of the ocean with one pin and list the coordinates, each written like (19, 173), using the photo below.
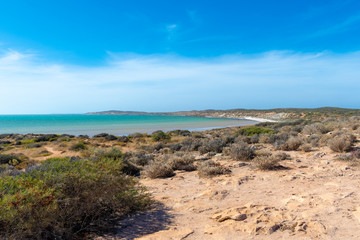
(77, 124)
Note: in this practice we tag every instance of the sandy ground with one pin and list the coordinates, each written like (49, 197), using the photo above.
(312, 197)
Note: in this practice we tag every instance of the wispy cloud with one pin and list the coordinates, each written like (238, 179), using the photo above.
(166, 82)
(337, 28)
(171, 30)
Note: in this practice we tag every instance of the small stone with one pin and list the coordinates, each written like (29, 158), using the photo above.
(274, 228)
(298, 160)
(347, 168)
(239, 217)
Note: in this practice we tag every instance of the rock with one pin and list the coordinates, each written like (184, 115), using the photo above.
(273, 228)
(346, 168)
(239, 217)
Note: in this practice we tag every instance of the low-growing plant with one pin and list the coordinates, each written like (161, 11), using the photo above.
(242, 151)
(292, 144)
(340, 144)
(282, 156)
(306, 147)
(158, 169)
(110, 137)
(178, 132)
(78, 146)
(249, 131)
(63, 197)
(181, 163)
(267, 162)
(210, 168)
(215, 146)
(47, 138)
(160, 135)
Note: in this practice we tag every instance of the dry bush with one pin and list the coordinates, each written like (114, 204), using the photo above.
(282, 156)
(210, 168)
(294, 143)
(158, 169)
(333, 125)
(315, 128)
(345, 157)
(242, 151)
(313, 140)
(267, 162)
(264, 138)
(140, 158)
(191, 144)
(340, 144)
(181, 163)
(215, 145)
(323, 141)
(306, 147)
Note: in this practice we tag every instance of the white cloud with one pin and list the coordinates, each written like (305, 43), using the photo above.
(28, 84)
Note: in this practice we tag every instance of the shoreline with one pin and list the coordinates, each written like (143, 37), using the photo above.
(126, 130)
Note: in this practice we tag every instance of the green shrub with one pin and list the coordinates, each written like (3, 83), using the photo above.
(63, 197)
(78, 146)
(12, 159)
(160, 135)
(249, 131)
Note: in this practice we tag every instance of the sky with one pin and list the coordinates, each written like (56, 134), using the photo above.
(140, 55)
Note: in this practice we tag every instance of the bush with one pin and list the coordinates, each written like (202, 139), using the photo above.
(210, 168)
(249, 131)
(306, 148)
(160, 135)
(340, 144)
(78, 146)
(141, 158)
(267, 162)
(62, 197)
(215, 145)
(315, 128)
(184, 133)
(111, 137)
(101, 135)
(242, 151)
(282, 156)
(158, 170)
(191, 144)
(181, 163)
(292, 144)
(123, 139)
(47, 138)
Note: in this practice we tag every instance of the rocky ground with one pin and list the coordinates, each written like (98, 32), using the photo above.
(311, 197)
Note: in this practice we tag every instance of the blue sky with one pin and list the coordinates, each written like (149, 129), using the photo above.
(80, 56)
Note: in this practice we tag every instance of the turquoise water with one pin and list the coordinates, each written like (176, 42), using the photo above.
(113, 124)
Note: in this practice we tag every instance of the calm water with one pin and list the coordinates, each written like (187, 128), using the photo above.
(114, 124)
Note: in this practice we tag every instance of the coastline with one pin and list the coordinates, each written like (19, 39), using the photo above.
(115, 125)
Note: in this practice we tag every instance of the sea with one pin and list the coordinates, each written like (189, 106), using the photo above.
(81, 124)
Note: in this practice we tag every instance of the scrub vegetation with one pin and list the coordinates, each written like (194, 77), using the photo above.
(63, 186)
